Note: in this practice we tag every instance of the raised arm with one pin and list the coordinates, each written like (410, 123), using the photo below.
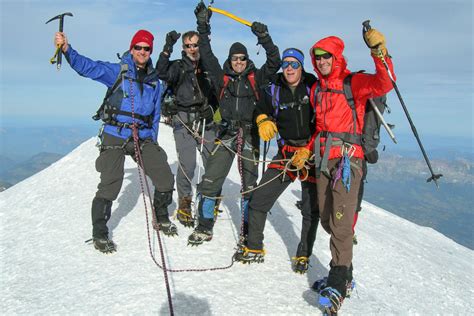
(165, 72)
(378, 84)
(208, 59)
(103, 72)
(273, 62)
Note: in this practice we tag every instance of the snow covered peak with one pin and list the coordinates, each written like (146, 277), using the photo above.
(399, 267)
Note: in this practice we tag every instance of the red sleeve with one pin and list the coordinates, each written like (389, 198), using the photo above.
(374, 85)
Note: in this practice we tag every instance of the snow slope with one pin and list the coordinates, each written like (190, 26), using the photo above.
(46, 268)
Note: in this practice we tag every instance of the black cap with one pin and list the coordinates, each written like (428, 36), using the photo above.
(238, 48)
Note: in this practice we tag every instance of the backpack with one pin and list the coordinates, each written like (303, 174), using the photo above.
(108, 110)
(251, 79)
(371, 132)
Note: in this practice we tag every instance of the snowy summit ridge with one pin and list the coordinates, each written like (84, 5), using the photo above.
(399, 267)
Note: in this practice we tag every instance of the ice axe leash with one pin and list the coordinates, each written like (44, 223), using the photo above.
(58, 54)
(365, 28)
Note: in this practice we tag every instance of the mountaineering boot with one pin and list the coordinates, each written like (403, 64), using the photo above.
(331, 300)
(160, 205)
(199, 236)
(320, 284)
(101, 211)
(246, 255)
(300, 264)
(333, 294)
(104, 245)
(183, 213)
(167, 228)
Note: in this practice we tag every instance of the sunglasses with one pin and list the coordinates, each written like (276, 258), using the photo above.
(241, 58)
(293, 64)
(324, 56)
(139, 48)
(192, 45)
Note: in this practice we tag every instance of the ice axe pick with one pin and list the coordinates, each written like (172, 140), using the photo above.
(57, 58)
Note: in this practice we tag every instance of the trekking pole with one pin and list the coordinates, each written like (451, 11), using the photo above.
(265, 144)
(366, 27)
(380, 116)
(201, 149)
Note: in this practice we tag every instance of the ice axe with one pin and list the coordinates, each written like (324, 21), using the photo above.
(228, 14)
(366, 27)
(58, 54)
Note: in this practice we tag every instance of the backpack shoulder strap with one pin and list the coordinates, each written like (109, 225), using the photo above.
(224, 86)
(111, 90)
(118, 81)
(253, 85)
(275, 92)
(347, 87)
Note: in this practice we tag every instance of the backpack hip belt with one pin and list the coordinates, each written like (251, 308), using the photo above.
(344, 139)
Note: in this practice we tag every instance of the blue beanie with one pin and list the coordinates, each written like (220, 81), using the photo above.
(295, 53)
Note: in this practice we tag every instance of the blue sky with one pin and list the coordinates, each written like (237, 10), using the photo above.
(430, 41)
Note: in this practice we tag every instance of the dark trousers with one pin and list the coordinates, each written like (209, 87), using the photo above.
(263, 200)
(110, 164)
(218, 166)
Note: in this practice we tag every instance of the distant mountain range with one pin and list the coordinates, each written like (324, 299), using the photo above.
(12, 173)
(398, 184)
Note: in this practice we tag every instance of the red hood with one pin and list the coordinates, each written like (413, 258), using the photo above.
(335, 46)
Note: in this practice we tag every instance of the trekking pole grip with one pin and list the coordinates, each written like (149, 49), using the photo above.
(365, 28)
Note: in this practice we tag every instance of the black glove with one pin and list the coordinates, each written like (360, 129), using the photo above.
(259, 29)
(203, 14)
(205, 112)
(171, 39)
(169, 106)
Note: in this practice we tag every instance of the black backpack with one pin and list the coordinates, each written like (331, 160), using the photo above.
(371, 131)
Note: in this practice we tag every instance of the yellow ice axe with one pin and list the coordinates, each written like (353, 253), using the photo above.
(230, 15)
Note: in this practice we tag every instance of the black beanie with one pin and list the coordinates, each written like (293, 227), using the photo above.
(238, 48)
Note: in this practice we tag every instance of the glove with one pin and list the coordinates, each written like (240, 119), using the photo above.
(168, 106)
(300, 157)
(171, 39)
(376, 42)
(261, 31)
(205, 112)
(203, 14)
(266, 127)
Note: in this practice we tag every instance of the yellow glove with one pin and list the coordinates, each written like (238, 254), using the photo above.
(374, 38)
(266, 128)
(300, 157)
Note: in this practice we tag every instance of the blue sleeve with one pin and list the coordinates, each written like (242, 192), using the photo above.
(157, 111)
(103, 72)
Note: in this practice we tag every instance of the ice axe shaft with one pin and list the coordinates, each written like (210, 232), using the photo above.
(380, 116)
(434, 177)
(58, 53)
(230, 15)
